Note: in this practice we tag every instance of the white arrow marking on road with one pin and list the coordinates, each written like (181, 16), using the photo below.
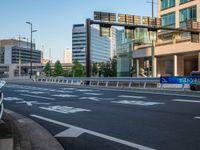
(64, 109)
(96, 94)
(142, 103)
(48, 98)
(64, 95)
(127, 96)
(185, 100)
(107, 137)
(12, 99)
(30, 103)
(71, 132)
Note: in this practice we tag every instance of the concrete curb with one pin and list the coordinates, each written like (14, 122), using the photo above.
(32, 136)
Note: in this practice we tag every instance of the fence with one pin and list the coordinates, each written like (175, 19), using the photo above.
(104, 81)
(2, 83)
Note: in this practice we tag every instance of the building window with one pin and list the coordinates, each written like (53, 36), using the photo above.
(187, 14)
(167, 4)
(168, 20)
(184, 1)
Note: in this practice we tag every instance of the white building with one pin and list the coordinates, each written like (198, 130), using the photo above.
(100, 46)
(67, 56)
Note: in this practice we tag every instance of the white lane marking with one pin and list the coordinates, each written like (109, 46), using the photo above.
(197, 117)
(107, 137)
(96, 94)
(128, 96)
(22, 91)
(12, 99)
(30, 92)
(186, 100)
(95, 98)
(64, 95)
(67, 88)
(34, 96)
(155, 92)
(36, 92)
(30, 103)
(64, 109)
(71, 132)
(84, 90)
(142, 103)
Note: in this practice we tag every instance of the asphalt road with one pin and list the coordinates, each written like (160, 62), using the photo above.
(102, 119)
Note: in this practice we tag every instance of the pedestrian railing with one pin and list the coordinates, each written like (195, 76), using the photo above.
(2, 83)
(104, 81)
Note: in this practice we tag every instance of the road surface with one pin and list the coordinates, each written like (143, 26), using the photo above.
(84, 118)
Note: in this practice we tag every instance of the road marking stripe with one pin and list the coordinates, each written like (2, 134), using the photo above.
(96, 94)
(197, 117)
(127, 143)
(128, 96)
(38, 96)
(71, 132)
(186, 100)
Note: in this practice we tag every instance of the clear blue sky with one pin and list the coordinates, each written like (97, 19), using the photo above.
(54, 19)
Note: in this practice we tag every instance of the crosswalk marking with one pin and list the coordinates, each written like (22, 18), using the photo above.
(142, 103)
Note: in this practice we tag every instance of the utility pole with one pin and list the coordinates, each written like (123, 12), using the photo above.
(31, 51)
(153, 46)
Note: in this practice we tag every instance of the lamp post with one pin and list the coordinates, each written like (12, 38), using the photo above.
(31, 52)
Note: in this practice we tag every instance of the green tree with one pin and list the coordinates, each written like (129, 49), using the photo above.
(58, 69)
(95, 69)
(77, 69)
(108, 69)
(47, 69)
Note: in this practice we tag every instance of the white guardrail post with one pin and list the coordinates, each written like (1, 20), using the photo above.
(2, 83)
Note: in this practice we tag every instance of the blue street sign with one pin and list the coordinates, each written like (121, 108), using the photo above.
(180, 80)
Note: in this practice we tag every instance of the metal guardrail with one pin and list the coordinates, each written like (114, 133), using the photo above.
(2, 83)
(106, 81)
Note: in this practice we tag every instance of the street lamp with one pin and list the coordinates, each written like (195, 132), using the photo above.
(31, 63)
(20, 53)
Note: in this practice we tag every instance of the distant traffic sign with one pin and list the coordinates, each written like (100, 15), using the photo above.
(180, 80)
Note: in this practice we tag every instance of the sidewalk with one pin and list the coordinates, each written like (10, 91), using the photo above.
(6, 135)
(21, 133)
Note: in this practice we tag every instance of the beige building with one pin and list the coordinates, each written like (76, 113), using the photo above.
(175, 54)
(68, 56)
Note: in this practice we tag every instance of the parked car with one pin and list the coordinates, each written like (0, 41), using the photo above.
(195, 87)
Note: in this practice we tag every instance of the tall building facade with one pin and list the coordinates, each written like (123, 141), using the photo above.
(15, 58)
(175, 54)
(100, 46)
(67, 56)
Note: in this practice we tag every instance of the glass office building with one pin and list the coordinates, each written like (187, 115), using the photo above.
(100, 46)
